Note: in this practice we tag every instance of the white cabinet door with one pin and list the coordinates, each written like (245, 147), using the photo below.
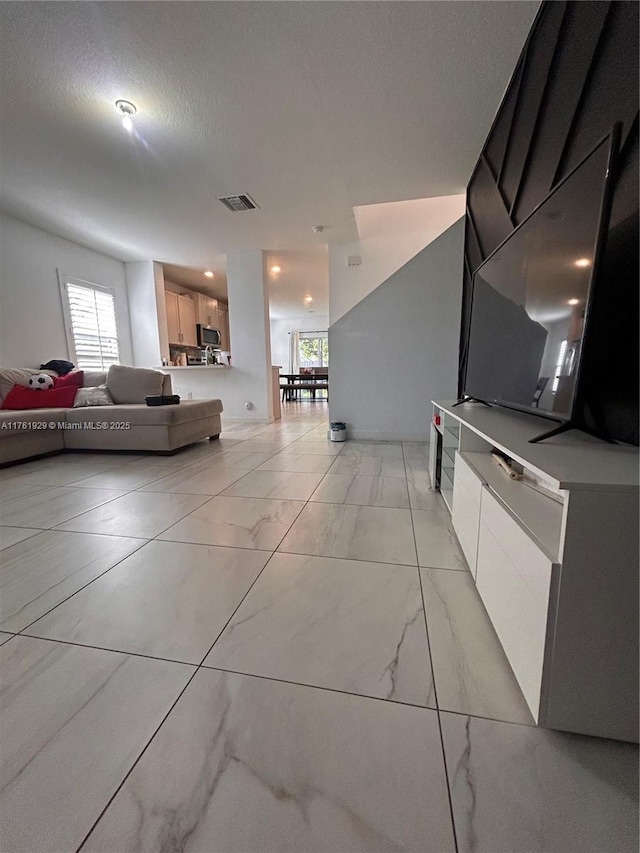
(187, 314)
(173, 322)
(513, 578)
(202, 305)
(207, 310)
(465, 516)
(212, 313)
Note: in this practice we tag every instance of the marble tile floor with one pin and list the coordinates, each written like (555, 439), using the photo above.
(264, 644)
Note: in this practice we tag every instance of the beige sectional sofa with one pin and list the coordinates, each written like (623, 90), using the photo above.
(129, 424)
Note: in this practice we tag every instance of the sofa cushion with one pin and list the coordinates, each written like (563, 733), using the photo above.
(142, 415)
(10, 376)
(97, 396)
(74, 379)
(21, 398)
(93, 378)
(133, 384)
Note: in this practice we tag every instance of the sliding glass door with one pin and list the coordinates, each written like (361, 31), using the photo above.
(313, 349)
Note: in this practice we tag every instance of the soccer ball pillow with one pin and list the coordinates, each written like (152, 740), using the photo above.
(40, 382)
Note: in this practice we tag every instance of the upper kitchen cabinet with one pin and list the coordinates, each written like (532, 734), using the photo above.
(207, 311)
(187, 314)
(181, 319)
(173, 323)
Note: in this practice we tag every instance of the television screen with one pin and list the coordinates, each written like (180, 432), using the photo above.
(531, 299)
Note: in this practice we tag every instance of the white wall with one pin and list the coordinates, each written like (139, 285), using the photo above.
(280, 336)
(280, 330)
(31, 321)
(390, 235)
(398, 348)
(143, 309)
(161, 304)
(250, 334)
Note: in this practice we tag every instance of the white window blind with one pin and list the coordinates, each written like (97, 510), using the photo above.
(92, 318)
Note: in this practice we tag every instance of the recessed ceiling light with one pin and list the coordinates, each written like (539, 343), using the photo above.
(308, 299)
(126, 110)
(582, 262)
(573, 301)
(209, 274)
(275, 268)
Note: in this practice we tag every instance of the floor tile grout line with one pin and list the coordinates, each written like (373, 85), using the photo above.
(435, 688)
(143, 542)
(354, 559)
(135, 763)
(269, 497)
(235, 610)
(413, 529)
(275, 679)
(206, 499)
(78, 645)
(323, 687)
(145, 490)
(84, 512)
(435, 691)
(60, 529)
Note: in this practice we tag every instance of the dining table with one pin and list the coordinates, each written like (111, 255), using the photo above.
(311, 382)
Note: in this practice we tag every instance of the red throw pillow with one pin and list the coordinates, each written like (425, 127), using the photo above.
(21, 397)
(74, 379)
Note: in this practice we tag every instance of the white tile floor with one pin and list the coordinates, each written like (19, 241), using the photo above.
(269, 643)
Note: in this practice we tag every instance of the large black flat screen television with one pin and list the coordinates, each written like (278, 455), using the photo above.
(530, 304)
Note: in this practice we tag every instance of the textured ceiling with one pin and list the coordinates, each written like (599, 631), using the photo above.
(310, 107)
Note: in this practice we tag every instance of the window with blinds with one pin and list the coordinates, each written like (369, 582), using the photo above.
(91, 317)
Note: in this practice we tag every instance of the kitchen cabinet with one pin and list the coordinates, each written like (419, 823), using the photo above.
(173, 324)
(181, 319)
(223, 325)
(187, 316)
(207, 311)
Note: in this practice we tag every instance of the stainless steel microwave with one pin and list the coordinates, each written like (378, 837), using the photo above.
(207, 337)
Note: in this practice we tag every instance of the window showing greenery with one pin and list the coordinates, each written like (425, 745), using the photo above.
(313, 350)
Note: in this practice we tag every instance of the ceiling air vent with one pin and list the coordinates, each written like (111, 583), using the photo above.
(238, 202)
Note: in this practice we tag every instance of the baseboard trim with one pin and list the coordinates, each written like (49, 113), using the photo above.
(383, 435)
(257, 421)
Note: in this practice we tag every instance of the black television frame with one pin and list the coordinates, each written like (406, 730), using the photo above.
(576, 419)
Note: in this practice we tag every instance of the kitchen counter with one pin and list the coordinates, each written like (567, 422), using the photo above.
(195, 367)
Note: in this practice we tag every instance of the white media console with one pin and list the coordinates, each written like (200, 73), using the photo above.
(554, 557)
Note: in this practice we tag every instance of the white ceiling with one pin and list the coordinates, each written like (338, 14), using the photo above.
(310, 107)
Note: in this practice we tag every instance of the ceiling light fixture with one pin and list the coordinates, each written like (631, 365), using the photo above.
(209, 274)
(308, 299)
(275, 268)
(573, 301)
(126, 110)
(582, 262)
